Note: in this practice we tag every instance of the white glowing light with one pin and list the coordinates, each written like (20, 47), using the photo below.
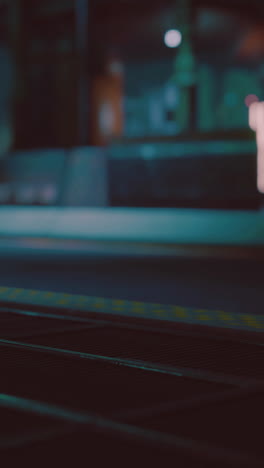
(173, 38)
(256, 123)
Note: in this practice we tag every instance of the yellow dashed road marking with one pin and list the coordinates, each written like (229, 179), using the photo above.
(203, 315)
(252, 321)
(180, 312)
(119, 303)
(14, 293)
(217, 318)
(160, 312)
(99, 305)
(33, 292)
(62, 302)
(225, 317)
(49, 295)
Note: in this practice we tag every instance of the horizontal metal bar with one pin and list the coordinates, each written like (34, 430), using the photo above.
(176, 150)
(167, 226)
(137, 364)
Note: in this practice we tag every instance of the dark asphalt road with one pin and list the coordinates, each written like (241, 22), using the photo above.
(197, 377)
(230, 285)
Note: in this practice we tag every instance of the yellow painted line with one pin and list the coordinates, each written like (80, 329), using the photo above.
(159, 313)
(119, 302)
(225, 317)
(64, 299)
(118, 305)
(13, 293)
(138, 305)
(168, 312)
(49, 295)
(252, 321)
(62, 302)
(99, 304)
(82, 299)
(180, 312)
(204, 315)
(33, 292)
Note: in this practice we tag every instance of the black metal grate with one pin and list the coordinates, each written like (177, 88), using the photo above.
(202, 435)
(225, 357)
(235, 424)
(14, 423)
(85, 446)
(18, 326)
(97, 387)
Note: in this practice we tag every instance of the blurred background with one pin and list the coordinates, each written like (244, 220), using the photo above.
(130, 104)
(131, 232)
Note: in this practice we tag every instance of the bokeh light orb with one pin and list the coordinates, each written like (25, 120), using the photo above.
(173, 38)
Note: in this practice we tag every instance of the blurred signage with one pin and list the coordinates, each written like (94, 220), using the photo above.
(108, 110)
(86, 181)
(107, 102)
(17, 193)
(55, 177)
(33, 177)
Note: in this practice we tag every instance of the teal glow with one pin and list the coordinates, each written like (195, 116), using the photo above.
(22, 404)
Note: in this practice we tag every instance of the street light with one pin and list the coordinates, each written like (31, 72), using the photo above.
(173, 38)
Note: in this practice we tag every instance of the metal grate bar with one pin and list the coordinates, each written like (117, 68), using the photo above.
(141, 365)
(124, 431)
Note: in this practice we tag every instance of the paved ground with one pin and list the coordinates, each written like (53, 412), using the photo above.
(235, 286)
(76, 385)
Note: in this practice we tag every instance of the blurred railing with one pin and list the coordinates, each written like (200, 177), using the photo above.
(175, 174)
